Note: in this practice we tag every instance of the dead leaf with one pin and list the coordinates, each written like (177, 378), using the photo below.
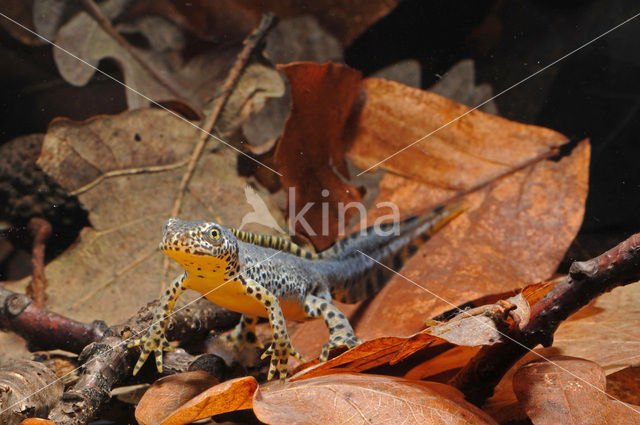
(169, 393)
(85, 39)
(569, 390)
(625, 385)
(257, 84)
(312, 161)
(407, 72)
(515, 231)
(230, 20)
(463, 155)
(367, 355)
(188, 403)
(459, 84)
(435, 356)
(609, 321)
(21, 11)
(115, 265)
(472, 327)
(36, 421)
(301, 38)
(337, 399)
(196, 81)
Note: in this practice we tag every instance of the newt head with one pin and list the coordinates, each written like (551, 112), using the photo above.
(204, 249)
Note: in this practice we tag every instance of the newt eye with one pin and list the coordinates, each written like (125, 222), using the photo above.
(214, 234)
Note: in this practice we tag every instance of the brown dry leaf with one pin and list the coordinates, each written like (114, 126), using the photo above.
(187, 397)
(310, 155)
(515, 231)
(169, 393)
(472, 327)
(523, 214)
(21, 11)
(257, 84)
(625, 385)
(36, 421)
(459, 84)
(569, 390)
(115, 266)
(367, 356)
(611, 320)
(337, 399)
(232, 19)
(196, 81)
(461, 156)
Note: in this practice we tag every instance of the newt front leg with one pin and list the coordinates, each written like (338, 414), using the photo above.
(280, 348)
(154, 340)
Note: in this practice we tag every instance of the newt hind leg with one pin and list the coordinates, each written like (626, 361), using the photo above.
(340, 330)
(244, 334)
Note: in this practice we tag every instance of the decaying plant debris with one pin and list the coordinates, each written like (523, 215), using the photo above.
(234, 100)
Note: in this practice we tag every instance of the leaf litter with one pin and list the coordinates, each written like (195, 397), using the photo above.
(524, 211)
(527, 188)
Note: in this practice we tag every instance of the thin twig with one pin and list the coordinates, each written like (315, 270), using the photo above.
(95, 12)
(40, 229)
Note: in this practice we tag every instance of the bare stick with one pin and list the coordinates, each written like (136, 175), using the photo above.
(43, 329)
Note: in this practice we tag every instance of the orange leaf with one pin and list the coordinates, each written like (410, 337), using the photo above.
(186, 397)
(515, 231)
(337, 399)
(36, 421)
(367, 356)
(310, 153)
(569, 390)
(459, 156)
(393, 350)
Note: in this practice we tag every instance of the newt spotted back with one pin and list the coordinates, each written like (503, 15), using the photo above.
(266, 276)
